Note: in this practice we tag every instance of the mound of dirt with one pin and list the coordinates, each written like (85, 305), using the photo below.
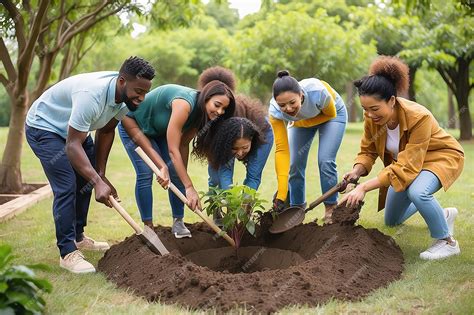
(306, 265)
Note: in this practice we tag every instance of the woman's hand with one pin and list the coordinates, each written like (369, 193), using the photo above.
(354, 197)
(164, 179)
(352, 176)
(193, 199)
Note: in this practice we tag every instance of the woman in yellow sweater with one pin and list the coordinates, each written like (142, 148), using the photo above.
(419, 156)
(297, 111)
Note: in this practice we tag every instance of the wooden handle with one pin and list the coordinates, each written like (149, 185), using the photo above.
(183, 198)
(125, 215)
(325, 196)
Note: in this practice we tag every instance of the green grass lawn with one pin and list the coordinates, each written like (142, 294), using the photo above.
(426, 287)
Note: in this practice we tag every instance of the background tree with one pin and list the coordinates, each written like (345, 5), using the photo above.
(37, 33)
(308, 46)
(444, 42)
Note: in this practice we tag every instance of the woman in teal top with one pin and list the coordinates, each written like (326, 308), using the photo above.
(163, 126)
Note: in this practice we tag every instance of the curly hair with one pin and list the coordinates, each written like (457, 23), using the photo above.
(209, 89)
(136, 67)
(217, 73)
(227, 132)
(253, 110)
(388, 76)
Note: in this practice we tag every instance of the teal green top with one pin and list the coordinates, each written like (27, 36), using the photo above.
(154, 113)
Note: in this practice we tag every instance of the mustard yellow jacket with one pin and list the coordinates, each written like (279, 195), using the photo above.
(424, 145)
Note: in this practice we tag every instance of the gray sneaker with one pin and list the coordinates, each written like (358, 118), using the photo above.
(179, 229)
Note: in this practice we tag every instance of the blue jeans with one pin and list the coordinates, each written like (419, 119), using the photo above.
(300, 140)
(72, 193)
(418, 197)
(223, 178)
(144, 181)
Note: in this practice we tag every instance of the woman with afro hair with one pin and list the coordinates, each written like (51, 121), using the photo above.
(163, 126)
(418, 155)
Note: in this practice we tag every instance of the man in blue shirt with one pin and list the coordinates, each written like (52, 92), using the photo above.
(57, 129)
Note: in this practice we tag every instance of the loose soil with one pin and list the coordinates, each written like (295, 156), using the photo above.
(307, 265)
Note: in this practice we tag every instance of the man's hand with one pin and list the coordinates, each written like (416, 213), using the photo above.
(102, 193)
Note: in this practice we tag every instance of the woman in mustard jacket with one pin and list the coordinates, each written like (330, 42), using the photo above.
(419, 156)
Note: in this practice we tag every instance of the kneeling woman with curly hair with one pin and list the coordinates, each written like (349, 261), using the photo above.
(418, 155)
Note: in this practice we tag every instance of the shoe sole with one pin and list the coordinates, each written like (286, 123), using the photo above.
(94, 249)
(439, 258)
(182, 236)
(79, 272)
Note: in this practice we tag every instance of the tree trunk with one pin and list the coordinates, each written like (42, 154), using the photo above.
(463, 88)
(10, 174)
(350, 104)
(465, 122)
(451, 110)
(411, 87)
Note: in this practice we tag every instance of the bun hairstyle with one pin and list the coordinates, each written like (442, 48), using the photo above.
(213, 81)
(285, 83)
(388, 76)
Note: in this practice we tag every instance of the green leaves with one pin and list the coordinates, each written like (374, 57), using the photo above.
(236, 205)
(20, 289)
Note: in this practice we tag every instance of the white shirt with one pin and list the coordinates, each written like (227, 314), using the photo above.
(393, 141)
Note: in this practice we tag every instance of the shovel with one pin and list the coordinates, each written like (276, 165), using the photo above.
(147, 235)
(183, 198)
(293, 216)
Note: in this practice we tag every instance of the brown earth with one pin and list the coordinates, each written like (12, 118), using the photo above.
(26, 189)
(307, 265)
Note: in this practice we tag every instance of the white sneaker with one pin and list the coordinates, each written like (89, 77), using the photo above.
(88, 243)
(440, 249)
(75, 263)
(450, 217)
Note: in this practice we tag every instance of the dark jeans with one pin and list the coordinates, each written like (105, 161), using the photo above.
(72, 193)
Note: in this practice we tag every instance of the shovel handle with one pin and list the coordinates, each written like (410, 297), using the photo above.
(183, 198)
(125, 215)
(339, 187)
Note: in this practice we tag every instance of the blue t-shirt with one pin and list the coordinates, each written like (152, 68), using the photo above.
(316, 97)
(85, 102)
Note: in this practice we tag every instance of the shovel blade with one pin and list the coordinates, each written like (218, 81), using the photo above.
(288, 219)
(153, 241)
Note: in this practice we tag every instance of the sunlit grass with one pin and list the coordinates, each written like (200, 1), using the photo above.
(426, 287)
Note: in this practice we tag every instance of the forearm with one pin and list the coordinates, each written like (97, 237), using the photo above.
(184, 151)
(141, 140)
(180, 167)
(371, 184)
(80, 162)
(103, 144)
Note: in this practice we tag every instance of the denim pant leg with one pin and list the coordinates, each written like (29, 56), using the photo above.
(144, 177)
(418, 196)
(50, 149)
(257, 161)
(300, 140)
(84, 191)
(330, 139)
(421, 193)
(398, 207)
(223, 177)
(177, 206)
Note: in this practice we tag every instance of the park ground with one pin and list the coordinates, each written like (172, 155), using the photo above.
(438, 287)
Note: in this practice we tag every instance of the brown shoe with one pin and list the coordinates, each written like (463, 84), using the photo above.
(88, 243)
